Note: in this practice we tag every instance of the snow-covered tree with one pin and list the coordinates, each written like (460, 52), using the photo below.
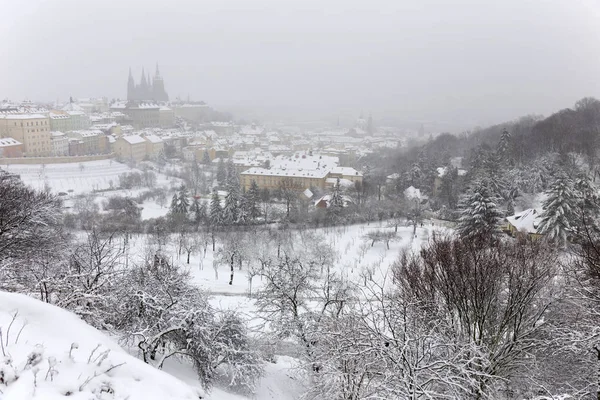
(503, 149)
(215, 215)
(199, 210)
(253, 200)
(221, 173)
(231, 208)
(479, 213)
(560, 210)
(166, 316)
(180, 203)
(205, 158)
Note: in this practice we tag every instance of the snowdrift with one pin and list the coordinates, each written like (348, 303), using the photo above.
(49, 353)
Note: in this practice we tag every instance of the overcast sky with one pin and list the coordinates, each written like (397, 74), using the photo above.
(467, 61)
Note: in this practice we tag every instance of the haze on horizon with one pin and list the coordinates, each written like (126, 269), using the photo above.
(465, 62)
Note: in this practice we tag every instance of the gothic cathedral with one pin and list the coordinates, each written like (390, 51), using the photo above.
(148, 89)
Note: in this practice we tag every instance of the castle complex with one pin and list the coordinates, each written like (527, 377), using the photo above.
(149, 90)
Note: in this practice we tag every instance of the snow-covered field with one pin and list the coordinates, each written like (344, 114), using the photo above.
(83, 177)
(355, 259)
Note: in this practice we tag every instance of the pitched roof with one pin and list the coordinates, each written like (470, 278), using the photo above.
(527, 220)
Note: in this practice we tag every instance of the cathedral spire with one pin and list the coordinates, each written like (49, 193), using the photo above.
(157, 71)
(143, 79)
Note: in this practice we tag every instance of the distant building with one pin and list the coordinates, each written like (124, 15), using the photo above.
(154, 145)
(166, 117)
(94, 141)
(32, 130)
(300, 171)
(60, 144)
(140, 115)
(148, 89)
(10, 148)
(130, 147)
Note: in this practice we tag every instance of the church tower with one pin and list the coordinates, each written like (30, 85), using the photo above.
(158, 87)
(130, 87)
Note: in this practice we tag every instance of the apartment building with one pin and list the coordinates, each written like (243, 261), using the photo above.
(130, 147)
(32, 130)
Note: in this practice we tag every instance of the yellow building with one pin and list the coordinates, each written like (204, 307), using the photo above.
(32, 130)
(131, 147)
(154, 145)
(274, 178)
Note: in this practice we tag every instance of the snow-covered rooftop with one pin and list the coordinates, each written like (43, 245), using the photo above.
(347, 171)
(133, 139)
(23, 116)
(72, 107)
(527, 220)
(153, 139)
(7, 142)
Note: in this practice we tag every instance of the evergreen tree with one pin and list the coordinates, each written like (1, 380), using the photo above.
(231, 179)
(480, 216)
(510, 207)
(199, 209)
(503, 149)
(173, 206)
(215, 216)
(221, 174)
(560, 210)
(206, 157)
(183, 201)
(416, 176)
(231, 209)
(244, 210)
(252, 200)
(337, 202)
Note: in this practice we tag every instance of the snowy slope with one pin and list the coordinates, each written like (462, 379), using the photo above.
(35, 362)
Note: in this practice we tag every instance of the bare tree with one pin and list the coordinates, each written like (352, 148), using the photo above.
(494, 293)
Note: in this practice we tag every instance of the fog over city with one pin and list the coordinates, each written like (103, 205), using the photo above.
(462, 63)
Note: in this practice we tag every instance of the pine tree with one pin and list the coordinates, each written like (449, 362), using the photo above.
(252, 200)
(221, 174)
(587, 212)
(480, 216)
(183, 201)
(510, 207)
(215, 216)
(199, 209)
(231, 179)
(231, 209)
(416, 176)
(173, 206)
(560, 210)
(503, 149)
(244, 210)
(337, 202)
(206, 157)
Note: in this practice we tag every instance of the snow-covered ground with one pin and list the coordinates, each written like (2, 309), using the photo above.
(48, 353)
(84, 177)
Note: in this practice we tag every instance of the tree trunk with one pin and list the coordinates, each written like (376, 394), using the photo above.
(231, 265)
(188, 257)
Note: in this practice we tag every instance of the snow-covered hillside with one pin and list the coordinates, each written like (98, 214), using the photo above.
(48, 353)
